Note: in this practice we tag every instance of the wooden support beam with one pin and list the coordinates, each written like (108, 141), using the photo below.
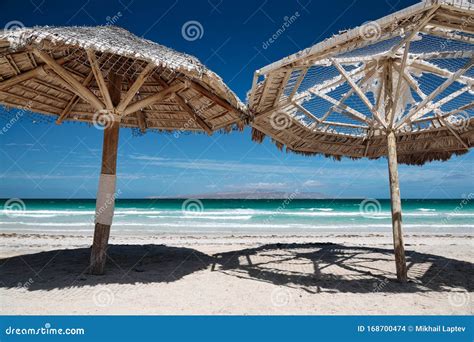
(182, 103)
(65, 75)
(399, 83)
(301, 77)
(141, 118)
(410, 80)
(367, 76)
(99, 78)
(359, 92)
(282, 87)
(444, 100)
(138, 105)
(396, 206)
(221, 102)
(135, 87)
(413, 113)
(406, 41)
(342, 107)
(425, 66)
(331, 83)
(453, 132)
(74, 100)
(107, 184)
(27, 75)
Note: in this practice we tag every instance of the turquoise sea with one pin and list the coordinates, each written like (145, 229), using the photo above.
(149, 216)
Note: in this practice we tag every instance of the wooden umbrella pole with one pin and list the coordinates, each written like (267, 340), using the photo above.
(396, 208)
(106, 193)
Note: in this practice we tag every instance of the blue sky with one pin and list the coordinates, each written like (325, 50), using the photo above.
(43, 160)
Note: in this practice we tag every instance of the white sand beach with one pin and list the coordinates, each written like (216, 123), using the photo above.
(236, 274)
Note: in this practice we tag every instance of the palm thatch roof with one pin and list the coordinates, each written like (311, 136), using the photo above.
(62, 71)
(410, 73)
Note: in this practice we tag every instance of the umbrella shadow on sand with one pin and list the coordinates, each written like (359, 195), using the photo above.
(328, 267)
(314, 267)
(126, 264)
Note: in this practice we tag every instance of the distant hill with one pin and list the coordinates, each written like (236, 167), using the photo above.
(257, 194)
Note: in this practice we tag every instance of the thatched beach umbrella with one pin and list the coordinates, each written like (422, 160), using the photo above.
(108, 76)
(400, 87)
